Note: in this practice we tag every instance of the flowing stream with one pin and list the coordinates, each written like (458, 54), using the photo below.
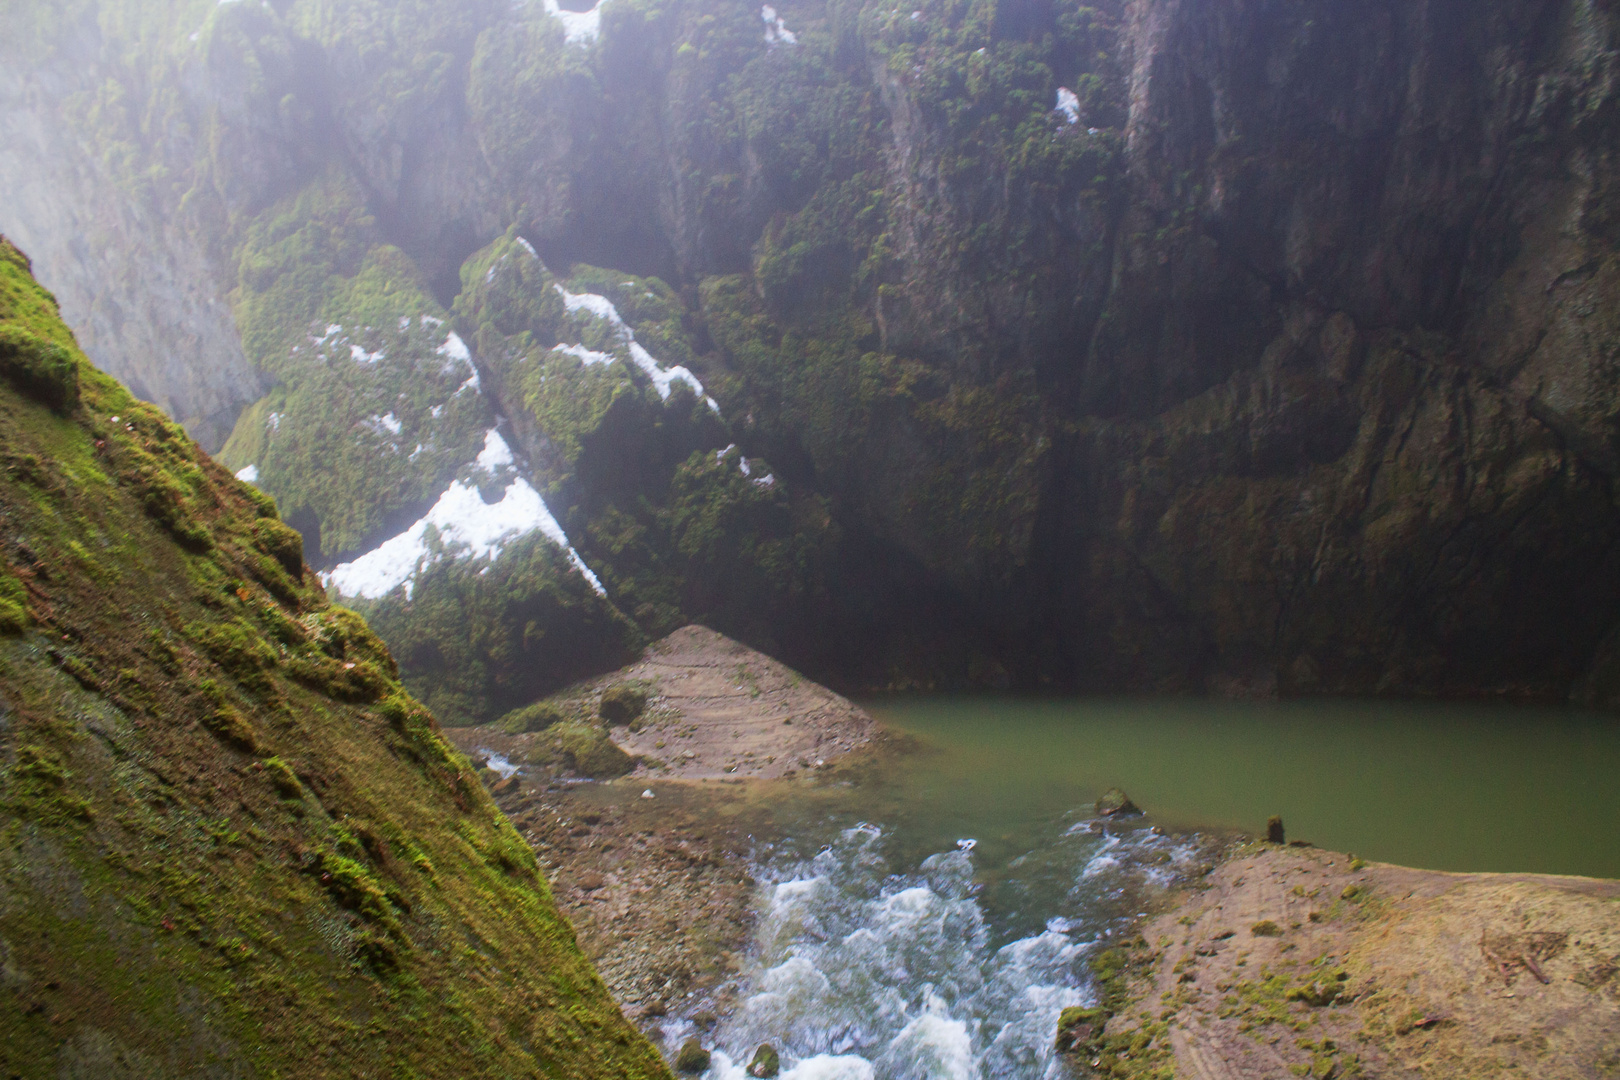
(930, 915)
(866, 969)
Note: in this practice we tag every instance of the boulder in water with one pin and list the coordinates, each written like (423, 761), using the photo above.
(692, 1058)
(1274, 830)
(766, 1063)
(1115, 803)
(1079, 1028)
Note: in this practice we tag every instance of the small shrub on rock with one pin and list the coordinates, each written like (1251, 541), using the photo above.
(622, 704)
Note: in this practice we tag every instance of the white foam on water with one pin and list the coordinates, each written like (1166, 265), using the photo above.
(502, 766)
(858, 971)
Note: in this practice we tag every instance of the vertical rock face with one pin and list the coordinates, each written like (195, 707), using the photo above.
(1352, 427)
(141, 293)
(1263, 347)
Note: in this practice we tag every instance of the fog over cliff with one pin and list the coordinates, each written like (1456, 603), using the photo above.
(1257, 347)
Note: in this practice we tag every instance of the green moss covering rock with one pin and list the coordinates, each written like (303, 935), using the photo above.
(622, 704)
(41, 369)
(303, 862)
(531, 718)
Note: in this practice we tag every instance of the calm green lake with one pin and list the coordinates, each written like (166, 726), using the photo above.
(1441, 786)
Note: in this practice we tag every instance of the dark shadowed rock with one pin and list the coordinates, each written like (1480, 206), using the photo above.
(1115, 803)
(692, 1058)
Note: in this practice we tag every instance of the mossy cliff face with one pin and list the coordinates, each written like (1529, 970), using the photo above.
(1178, 344)
(230, 842)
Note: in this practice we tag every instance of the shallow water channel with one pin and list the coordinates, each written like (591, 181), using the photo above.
(929, 914)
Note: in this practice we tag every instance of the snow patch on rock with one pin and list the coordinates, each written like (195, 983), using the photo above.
(467, 527)
(776, 32)
(663, 378)
(579, 27)
(1068, 103)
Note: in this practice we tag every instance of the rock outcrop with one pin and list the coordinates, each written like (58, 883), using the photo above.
(231, 844)
(1261, 348)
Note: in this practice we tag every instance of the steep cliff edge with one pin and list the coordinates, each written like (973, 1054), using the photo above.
(230, 843)
(1183, 344)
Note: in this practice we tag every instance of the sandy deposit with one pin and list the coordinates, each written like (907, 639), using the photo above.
(717, 709)
(1291, 961)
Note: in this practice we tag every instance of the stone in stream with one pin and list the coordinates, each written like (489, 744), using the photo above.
(1115, 803)
(1274, 830)
(766, 1063)
(692, 1058)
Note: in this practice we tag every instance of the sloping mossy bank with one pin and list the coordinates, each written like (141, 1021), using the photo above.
(230, 844)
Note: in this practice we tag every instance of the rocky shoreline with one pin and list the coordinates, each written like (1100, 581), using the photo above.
(1277, 960)
(652, 866)
(1288, 960)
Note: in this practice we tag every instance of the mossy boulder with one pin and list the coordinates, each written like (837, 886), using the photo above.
(767, 1063)
(40, 369)
(588, 751)
(282, 543)
(622, 704)
(1079, 1027)
(531, 718)
(692, 1058)
(1115, 803)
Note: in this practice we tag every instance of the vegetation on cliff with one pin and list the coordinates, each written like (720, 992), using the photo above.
(230, 840)
(1262, 350)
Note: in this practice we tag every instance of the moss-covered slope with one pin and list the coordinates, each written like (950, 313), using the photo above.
(230, 844)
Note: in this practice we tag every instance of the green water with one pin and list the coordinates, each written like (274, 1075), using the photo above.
(1440, 786)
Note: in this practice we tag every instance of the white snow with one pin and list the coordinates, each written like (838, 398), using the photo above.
(579, 27)
(273, 421)
(495, 453)
(663, 378)
(467, 527)
(583, 355)
(776, 33)
(389, 423)
(248, 474)
(533, 254)
(1068, 103)
(455, 351)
